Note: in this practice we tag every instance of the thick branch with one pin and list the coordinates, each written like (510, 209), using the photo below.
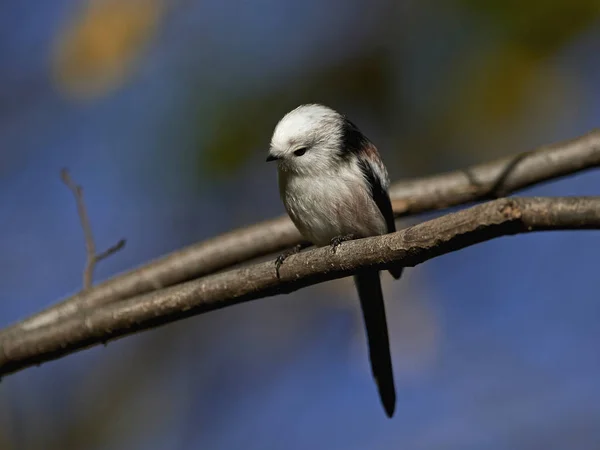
(497, 178)
(413, 196)
(410, 247)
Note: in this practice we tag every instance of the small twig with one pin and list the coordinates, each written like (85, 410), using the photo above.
(497, 188)
(90, 246)
(92, 258)
(109, 251)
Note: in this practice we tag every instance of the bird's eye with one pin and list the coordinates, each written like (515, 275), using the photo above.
(300, 151)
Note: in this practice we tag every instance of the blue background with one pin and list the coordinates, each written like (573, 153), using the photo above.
(163, 111)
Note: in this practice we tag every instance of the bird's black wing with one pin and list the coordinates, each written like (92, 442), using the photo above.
(357, 145)
(376, 176)
(379, 193)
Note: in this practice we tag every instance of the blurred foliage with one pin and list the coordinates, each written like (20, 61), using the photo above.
(528, 32)
(98, 48)
(363, 79)
(542, 26)
(507, 73)
(495, 75)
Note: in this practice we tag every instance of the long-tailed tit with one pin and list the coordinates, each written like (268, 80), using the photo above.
(335, 187)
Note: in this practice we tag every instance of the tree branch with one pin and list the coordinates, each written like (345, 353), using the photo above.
(497, 178)
(92, 258)
(479, 182)
(409, 247)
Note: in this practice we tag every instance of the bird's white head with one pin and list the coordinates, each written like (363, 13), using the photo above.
(308, 139)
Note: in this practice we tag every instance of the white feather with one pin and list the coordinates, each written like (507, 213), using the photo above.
(323, 207)
(324, 195)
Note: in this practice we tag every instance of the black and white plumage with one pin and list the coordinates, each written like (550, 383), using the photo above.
(334, 185)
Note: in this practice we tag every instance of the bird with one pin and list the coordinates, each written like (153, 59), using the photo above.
(334, 187)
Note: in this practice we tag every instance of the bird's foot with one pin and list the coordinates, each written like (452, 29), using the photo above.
(286, 254)
(336, 241)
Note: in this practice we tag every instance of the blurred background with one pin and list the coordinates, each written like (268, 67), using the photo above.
(163, 111)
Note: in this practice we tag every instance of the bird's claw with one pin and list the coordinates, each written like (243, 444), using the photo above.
(336, 241)
(281, 258)
(278, 262)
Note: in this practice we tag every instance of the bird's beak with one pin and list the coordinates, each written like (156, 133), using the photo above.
(272, 158)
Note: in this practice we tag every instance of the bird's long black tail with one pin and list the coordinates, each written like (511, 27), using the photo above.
(371, 301)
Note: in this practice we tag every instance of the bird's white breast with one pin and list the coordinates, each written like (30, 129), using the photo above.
(329, 205)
